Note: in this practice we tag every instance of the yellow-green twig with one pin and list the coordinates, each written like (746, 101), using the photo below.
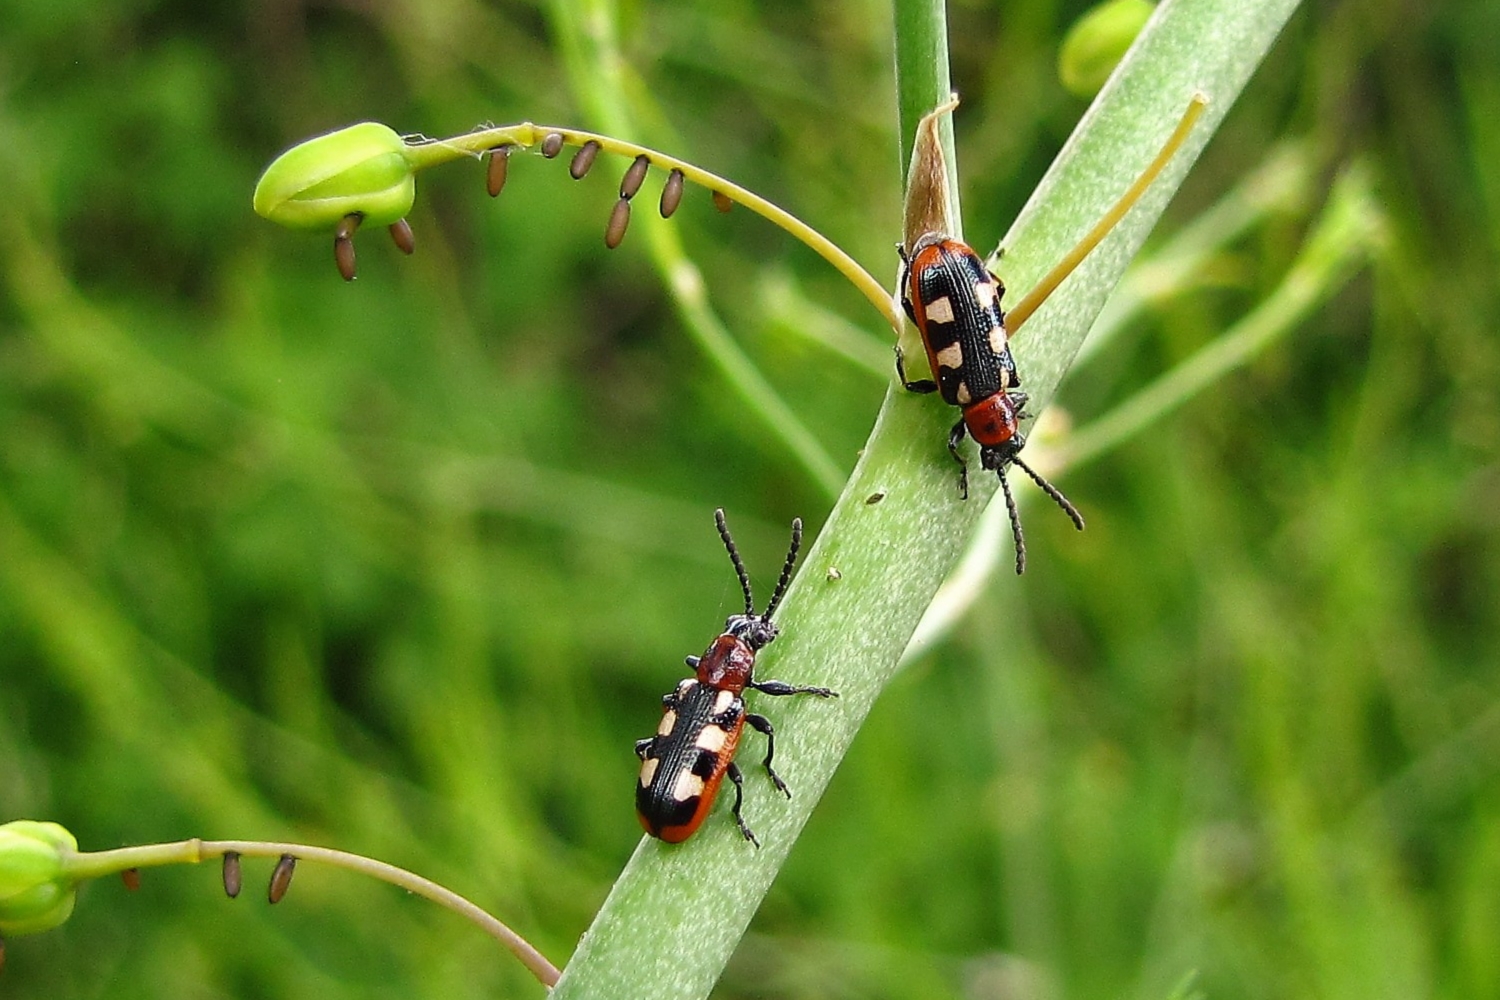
(430, 152)
(99, 863)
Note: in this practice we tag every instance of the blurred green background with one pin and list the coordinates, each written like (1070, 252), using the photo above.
(404, 566)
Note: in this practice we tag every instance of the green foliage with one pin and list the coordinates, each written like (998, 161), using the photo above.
(403, 566)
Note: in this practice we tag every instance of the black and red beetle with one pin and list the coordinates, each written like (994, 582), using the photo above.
(683, 765)
(954, 301)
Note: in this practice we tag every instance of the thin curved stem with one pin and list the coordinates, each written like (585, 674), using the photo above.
(98, 863)
(1044, 288)
(430, 152)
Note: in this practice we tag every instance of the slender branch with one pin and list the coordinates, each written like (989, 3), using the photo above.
(922, 84)
(923, 81)
(86, 865)
(430, 152)
(1107, 222)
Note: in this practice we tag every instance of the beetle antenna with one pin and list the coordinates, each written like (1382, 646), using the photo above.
(1015, 524)
(739, 565)
(1053, 492)
(786, 570)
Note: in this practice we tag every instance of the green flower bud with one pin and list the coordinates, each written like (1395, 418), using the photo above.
(361, 169)
(1097, 41)
(36, 893)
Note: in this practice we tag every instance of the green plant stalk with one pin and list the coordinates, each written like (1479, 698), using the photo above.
(923, 84)
(689, 291)
(676, 913)
(923, 81)
(96, 864)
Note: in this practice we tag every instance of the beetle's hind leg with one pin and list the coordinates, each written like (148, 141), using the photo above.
(763, 724)
(921, 385)
(739, 797)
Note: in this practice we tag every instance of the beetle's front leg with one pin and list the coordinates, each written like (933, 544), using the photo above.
(955, 438)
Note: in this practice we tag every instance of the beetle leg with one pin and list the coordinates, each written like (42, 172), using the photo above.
(781, 688)
(692, 662)
(910, 312)
(763, 724)
(922, 385)
(902, 281)
(739, 796)
(643, 746)
(955, 437)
